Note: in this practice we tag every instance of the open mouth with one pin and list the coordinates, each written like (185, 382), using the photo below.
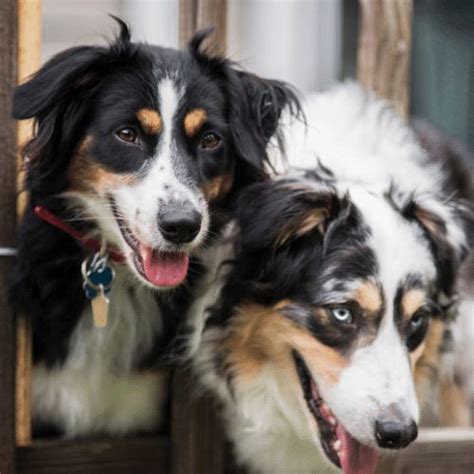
(339, 446)
(161, 269)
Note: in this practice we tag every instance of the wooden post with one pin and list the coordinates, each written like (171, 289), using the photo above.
(29, 59)
(8, 76)
(197, 439)
(187, 20)
(197, 14)
(383, 57)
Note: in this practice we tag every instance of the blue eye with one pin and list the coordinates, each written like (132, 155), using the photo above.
(342, 315)
(416, 322)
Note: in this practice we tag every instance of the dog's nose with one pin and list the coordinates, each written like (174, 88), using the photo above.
(179, 225)
(395, 434)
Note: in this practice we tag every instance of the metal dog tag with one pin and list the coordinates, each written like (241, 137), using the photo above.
(100, 309)
(98, 276)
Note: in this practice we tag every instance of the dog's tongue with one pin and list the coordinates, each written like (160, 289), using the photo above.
(355, 457)
(164, 269)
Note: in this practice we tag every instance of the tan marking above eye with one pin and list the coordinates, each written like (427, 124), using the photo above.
(193, 121)
(368, 296)
(411, 301)
(150, 120)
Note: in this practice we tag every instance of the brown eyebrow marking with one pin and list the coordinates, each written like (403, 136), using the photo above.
(150, 121)
(368, 296)
(411, 301)
(193, 121)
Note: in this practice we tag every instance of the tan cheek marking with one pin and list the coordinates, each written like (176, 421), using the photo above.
(86, 175)
(150, 120)
(411, 301)
(193, 121)
(218, 187)
(427, 364)
(455, 402)
(369, 298)
(416, 354)
(260, 335)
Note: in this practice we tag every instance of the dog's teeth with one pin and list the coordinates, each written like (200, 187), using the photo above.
(332, 421)
(337, 445)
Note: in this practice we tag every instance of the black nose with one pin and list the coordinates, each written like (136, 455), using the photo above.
(179, 224)
(395, 434)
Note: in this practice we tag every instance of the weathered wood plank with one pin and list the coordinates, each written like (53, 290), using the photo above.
(122, 456)
(8, 57)
(437, 451)
(187, 20)
(29, 59)
(198, 14)
(213, 13)
(383, 57)
(197, 438)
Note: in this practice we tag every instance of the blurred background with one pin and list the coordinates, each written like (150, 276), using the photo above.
(310, 43)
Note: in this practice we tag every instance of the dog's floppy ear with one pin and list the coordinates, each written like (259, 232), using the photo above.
(449, 227)
(65, 76)
(255, 105)
(273, 214)
(54, 82)
(58, 97)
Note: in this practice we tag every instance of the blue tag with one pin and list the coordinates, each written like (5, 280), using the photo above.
(101, 276)
(97, 275)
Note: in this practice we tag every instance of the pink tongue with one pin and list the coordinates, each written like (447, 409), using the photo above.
(355, 457)
(164, 269)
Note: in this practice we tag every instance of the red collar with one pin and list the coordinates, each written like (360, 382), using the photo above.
(91, 244)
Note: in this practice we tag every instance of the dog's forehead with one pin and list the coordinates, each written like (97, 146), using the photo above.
(399, 246)
(162, 77)
(380, 252)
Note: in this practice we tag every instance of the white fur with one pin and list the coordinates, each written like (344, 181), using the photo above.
(97, 389)
(367, 148)
(205, 295)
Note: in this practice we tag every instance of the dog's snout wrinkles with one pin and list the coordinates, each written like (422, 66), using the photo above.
(395, 434)
(179, 224)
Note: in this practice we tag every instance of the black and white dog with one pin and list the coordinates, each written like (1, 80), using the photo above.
(331, 318)
(139, 150)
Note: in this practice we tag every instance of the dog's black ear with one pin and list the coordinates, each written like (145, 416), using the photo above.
(58, 98)
(65, 76)
(255, 106)
(273, 214)
(449, 226)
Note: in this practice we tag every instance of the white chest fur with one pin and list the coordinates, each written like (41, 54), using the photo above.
(96, 389)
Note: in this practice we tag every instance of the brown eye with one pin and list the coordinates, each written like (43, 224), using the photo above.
(127, 134)
(210, 141)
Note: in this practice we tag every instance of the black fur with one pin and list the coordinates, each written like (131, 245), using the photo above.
(313, 265)
(85, 91)
(266, 272)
